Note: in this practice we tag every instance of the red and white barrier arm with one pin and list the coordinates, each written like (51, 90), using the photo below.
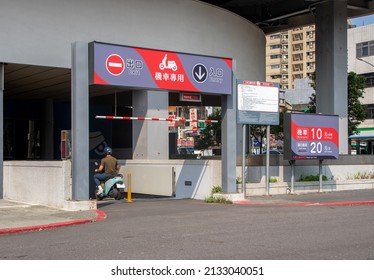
(153, 119)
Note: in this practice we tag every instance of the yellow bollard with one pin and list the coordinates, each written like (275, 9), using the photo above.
(129, 187)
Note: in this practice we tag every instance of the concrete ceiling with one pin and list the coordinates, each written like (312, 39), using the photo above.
(27, 82)
(37, 82)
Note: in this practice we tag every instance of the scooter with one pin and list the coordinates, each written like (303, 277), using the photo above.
(113, 188)
(171, 64)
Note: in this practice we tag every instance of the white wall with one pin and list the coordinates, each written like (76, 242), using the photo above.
(49, 182)
(359, 35)
(42, 182)
(40, 32)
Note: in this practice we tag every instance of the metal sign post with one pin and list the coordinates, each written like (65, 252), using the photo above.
(320, 175)
(243, 161)
(258, 103)
(292, 162)
(267, 160)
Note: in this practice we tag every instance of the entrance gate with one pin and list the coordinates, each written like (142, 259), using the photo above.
(141, 68)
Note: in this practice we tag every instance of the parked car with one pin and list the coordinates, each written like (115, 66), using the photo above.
(274, 152)
(185, 151)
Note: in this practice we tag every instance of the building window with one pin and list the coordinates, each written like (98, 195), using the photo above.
(275, 47)
(275, 66)
(369, 79)
(275, 56)
(277, 36)
(365, 49)
(370, 111)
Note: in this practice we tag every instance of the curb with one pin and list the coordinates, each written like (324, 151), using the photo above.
(337, 203)
(100, 216)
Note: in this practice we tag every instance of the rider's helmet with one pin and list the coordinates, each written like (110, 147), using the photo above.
(108, 150)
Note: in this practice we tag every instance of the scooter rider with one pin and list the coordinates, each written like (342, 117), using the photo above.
(107, 169)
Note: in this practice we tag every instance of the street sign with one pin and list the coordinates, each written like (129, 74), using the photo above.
(115, 64)
(258, 103)
(192, 97)
(200, 73)
(159, 69)
(311, 136)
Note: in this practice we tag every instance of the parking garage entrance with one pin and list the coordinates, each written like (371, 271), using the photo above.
(149, 75)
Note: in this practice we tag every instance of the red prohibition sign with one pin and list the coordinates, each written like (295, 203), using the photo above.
(115, 64)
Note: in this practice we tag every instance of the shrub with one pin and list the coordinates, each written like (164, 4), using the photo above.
(212, 199)
(310, 178)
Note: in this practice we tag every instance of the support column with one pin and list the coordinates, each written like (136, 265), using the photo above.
(331, 64)
(229, 133)
(1, 130)
(80, 121)
(150, 138)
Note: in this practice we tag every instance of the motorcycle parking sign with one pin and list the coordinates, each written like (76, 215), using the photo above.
(156, 69)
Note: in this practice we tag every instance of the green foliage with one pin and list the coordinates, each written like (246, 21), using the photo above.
(312, 104)
(216, 189)
(211, 135)
(363, 175)
(356, 111)
(310, 178)
(277, 130)
(212, 199)
(273, 180)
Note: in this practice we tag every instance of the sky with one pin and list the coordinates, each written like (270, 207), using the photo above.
(361, 21)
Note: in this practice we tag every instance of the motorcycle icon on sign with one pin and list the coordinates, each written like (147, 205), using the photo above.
(165, 64)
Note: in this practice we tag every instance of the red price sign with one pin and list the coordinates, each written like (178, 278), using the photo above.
(311, 136)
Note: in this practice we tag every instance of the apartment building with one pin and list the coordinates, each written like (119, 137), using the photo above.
(290, 55)
(360, 43)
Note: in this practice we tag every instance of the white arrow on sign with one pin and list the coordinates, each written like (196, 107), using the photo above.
(199, 73)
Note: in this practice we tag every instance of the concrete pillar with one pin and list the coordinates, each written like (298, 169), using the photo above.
(229, 135)
(1, 130)
(331, 64)
(47, 135)
(150, 138)
(80, 121)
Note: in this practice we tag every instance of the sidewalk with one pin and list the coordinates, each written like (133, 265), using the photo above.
(337, 198)
(20, 217)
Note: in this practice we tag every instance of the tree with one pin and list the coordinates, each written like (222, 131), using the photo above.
(211, 135)
(312, 104)
(356, 111)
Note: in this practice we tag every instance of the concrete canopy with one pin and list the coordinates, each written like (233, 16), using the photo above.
(275, 15)
(269, 15)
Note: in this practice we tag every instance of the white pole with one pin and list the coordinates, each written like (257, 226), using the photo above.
(267, 159)
(243, 161)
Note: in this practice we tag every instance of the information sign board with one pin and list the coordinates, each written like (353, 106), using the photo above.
(258, 103)
(311, 136)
